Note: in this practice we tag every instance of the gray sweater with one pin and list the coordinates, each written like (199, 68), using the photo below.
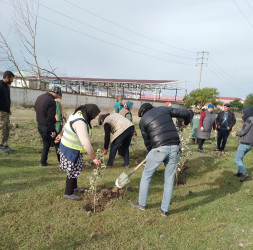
(246, 133)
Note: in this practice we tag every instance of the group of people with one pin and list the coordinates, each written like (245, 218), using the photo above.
(158, 130)
(204, 121)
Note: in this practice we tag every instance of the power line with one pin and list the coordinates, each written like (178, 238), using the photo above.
(110, 43)
(220, 77)
(111, 34)
(224, 74)
(125, 28)
(246, 18)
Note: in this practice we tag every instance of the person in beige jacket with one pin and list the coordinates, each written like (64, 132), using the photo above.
(122, 130)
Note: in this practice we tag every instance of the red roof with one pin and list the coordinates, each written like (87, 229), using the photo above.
(228, 99)
(162, 98)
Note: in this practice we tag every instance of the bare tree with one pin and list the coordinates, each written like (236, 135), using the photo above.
(25, 26)
(8, 56)
(26, 22)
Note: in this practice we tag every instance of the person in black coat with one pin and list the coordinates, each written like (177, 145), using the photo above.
(45, 108)
(5, 111)
(225, 122)
(162, 141)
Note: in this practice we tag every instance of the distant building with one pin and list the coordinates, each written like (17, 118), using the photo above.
(30, 81)
(228, 99)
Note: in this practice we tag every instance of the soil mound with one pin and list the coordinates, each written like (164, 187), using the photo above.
(105, 198)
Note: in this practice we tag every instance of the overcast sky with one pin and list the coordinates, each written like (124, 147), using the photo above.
(146, 39)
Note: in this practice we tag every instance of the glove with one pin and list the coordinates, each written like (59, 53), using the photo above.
(135, 133)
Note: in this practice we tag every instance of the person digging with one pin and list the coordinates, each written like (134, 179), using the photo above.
(162, 141)
(122, 130)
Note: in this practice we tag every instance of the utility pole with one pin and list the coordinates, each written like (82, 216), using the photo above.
(202, 58)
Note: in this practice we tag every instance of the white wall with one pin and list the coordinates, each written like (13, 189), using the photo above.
(27, 97)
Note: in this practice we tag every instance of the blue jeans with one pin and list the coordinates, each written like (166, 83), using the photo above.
(169, 155)
(242, 150)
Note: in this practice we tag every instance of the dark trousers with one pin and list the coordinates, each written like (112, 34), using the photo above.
(200, 143)
(46, 139)
(222, 139)
(71, 184)
(123, 141)
(48, 142)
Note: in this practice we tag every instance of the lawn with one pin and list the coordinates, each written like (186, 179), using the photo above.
(212, 210)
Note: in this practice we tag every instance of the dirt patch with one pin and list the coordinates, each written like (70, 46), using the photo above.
(182, 175)
(221, 153)
(105, 198)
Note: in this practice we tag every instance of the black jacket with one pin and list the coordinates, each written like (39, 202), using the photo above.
(157, 126)
(5, 100)
(231, 119)
(45, 108)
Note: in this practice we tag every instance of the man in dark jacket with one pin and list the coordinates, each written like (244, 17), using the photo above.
(5, 112)
(162, 141)
(246, 142)
(225, 121)
(45, 108)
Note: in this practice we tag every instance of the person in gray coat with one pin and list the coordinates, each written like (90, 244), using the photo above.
(246, 142)
(206, 123)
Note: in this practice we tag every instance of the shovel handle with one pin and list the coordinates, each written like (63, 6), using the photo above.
(137, 167)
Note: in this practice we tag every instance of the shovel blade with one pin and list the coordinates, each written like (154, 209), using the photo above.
(122, 180)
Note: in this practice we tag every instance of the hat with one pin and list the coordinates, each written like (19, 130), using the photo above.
(144, 108)
(56, 89)
(227, 105)
(247, 112)
(210, 106)
(102, 118)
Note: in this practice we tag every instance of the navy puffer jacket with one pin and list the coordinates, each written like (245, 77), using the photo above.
(157, 126)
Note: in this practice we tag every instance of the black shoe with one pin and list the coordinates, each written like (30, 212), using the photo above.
(244, 176)
(79, 190)
(162, 212)
(136, 204)
(4, 150)
(238, 174)
(72, 197)
(45, 164)
(10, 149)
(124, 165)
(201, 151)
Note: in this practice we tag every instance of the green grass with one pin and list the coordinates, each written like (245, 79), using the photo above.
(213, 210)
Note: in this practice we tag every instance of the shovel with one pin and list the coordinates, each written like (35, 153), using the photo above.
(123, 179)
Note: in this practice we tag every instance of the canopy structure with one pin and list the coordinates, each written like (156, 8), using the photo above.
(128, 88)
